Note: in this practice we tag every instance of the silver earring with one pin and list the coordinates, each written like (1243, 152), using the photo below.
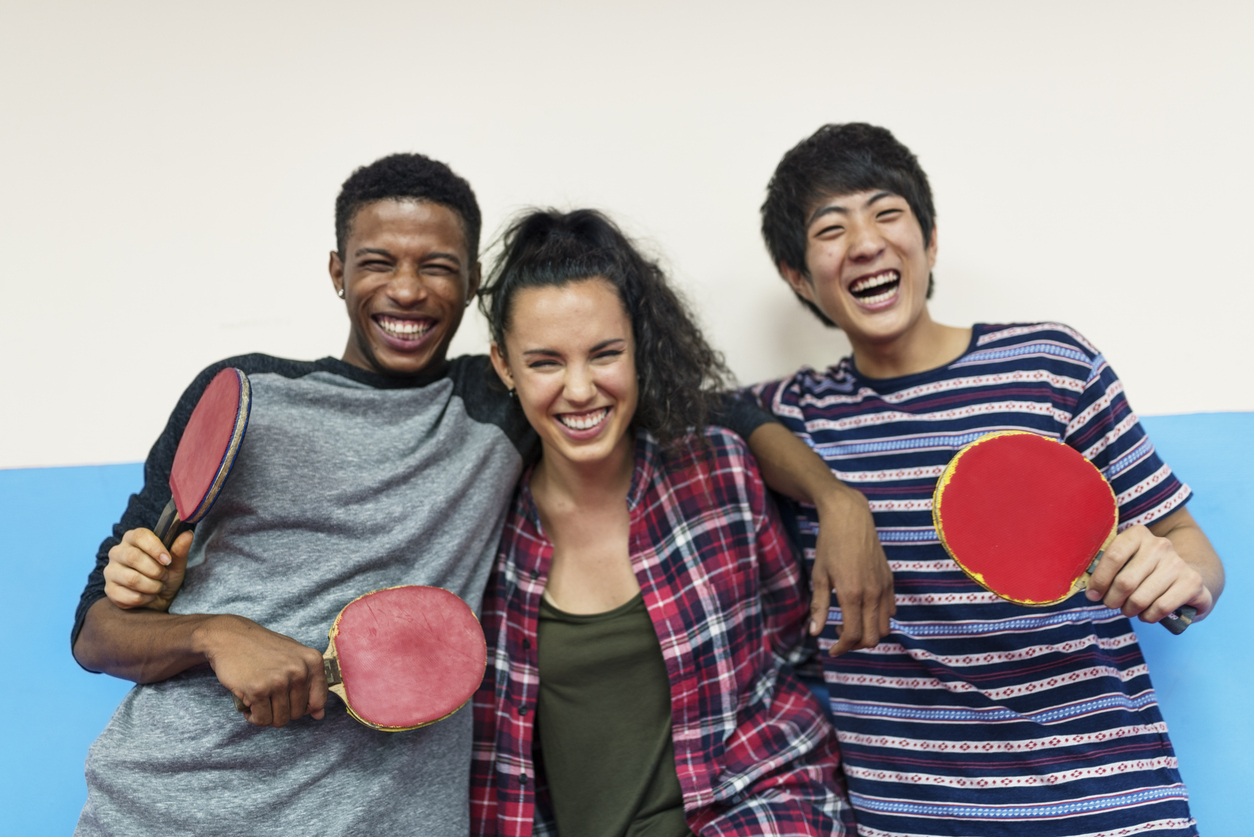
(512, 395)
(340, 292)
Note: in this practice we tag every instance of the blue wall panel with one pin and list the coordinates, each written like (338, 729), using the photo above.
(53, 519)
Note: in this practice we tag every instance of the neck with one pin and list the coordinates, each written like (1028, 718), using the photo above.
(557, 480)
(924, 345)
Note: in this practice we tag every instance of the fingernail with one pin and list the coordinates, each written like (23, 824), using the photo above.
(814, 626)
(163, 558)
(1092, 595)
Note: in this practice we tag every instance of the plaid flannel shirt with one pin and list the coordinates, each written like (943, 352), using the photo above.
(753, 750)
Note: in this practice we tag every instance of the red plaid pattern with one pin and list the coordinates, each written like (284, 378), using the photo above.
(753, 750)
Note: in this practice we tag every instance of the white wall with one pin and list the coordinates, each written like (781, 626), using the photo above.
(168, 173)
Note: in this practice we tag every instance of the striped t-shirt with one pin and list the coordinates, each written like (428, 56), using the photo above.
(976, 716)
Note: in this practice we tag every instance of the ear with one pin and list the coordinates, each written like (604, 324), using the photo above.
(336, 268)
(476, 278)
(797, 281)
(931, 249)
(501, 365)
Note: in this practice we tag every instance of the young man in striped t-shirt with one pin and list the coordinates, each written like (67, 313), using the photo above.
(973, 716)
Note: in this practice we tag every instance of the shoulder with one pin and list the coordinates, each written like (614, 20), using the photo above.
(806, 381)
(488, 402)
(992, 337)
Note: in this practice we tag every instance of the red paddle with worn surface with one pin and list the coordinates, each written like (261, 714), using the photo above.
(404, 657)
(206, 451)
(1028, 518)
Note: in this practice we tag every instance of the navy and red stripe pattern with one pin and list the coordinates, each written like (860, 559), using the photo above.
(753, 750)
(976, 716)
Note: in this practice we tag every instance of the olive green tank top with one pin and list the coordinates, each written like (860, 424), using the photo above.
(604, 716)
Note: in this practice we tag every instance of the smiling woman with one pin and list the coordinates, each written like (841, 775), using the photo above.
(637, 531)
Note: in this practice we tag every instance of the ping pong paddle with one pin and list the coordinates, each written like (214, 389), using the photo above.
(206, 451)
(1028, 518)
(404, 657)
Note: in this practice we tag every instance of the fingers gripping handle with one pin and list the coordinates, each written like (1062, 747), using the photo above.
(1177, 622)
(330, 668)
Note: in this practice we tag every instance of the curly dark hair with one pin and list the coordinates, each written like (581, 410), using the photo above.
(679, 374)
(408, 177)
(838, 160)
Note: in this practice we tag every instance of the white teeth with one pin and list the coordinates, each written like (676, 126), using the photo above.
(874, 282)
(585, 421)
(878, 298)
(404, 328)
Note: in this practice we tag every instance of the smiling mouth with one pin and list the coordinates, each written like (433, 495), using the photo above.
(870, 290)
(412, 330)
(584, 421)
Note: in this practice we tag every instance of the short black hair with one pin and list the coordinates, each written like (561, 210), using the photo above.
(678, 373)
(838, 159)
(401, 177)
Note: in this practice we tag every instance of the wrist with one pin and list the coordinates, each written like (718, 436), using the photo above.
(207, 636)
(840, 499)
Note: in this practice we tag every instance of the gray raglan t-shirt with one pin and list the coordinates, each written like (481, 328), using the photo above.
(346, 482)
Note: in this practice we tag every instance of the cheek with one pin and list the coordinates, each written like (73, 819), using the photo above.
(625, 386)
(535, 393)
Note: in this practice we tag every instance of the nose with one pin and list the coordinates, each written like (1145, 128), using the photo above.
(406, 287)
(580, 384)
(865, 242)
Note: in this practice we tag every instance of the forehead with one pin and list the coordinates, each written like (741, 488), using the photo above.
(587, 310)
(407, 223)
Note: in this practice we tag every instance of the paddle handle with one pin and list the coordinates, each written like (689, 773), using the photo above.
(167, 528)
(1179, 621)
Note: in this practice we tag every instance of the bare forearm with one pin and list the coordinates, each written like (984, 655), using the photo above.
(140, 645)
(791, 468)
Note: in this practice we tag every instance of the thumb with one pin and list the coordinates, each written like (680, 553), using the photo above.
(178, 552)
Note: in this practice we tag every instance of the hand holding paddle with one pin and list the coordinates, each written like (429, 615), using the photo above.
(1029, 519)
(404, 657)
(146, 569)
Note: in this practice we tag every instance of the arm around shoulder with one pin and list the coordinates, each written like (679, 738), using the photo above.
(848, 556)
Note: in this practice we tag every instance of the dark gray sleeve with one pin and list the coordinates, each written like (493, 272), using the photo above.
(487, 401)
(740, 415)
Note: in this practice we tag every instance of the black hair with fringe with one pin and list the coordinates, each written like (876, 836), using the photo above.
(838, 160)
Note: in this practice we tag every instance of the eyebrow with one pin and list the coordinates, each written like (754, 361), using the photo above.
(604, 344)
(379, 251)
(840, 210)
